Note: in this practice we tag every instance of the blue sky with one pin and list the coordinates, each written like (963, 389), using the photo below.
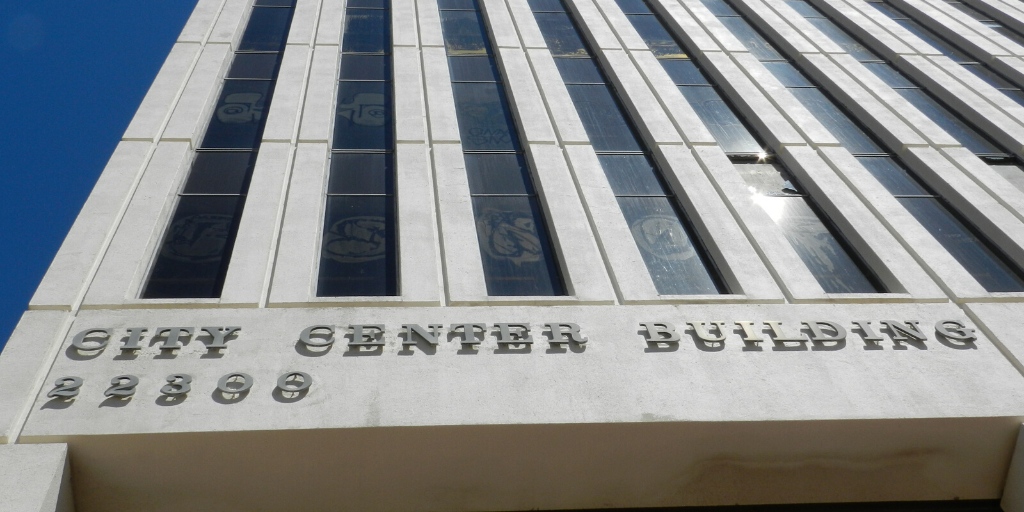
(73, 74)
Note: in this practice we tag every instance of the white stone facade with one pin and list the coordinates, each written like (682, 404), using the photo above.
(775, 413)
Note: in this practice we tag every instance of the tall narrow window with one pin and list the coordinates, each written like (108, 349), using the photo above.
(966, 134)
(987, 20)
(193, 258)
(359, 253)
(835, 266)
(675, 257)
(982, 259)
(514, 244)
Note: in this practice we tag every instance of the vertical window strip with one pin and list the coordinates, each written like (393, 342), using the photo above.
(674, 255)
(196, 249)
(359, 255)
(988, 21)
(516, 251)
(828, 256)
(970, 136)
(951, 50)
(978, 255)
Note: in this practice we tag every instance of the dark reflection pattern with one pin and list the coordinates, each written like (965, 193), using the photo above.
(835, 266)
(196, 248)
(359, 255)
(674, 256)
(978, 255)
(517, 255)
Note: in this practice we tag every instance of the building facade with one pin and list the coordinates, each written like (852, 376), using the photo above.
(463, 255)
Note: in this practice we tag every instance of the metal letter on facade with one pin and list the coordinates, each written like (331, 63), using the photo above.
(704, 334)
(868, 333)
(219, 333)
(366, 335)
(818, 335)
(134, 337)
(749, 334)
(173, 340)
(306, 336)
(469, 332)
(559, 331)
(430, 336)
(79, 341)
(660, 332)
(905, 331)
(955, 330)
(780, 337)
(514, 334)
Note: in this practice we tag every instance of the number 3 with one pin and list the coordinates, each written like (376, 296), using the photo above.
(178, 384)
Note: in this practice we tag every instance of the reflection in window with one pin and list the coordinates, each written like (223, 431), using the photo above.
(832, 262)
(194, 254)
(674, 256)
(359, 254)
(978, 255)
(517, 256)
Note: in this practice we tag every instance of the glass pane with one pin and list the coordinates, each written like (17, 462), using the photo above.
(684, 72)
(944, 49)
(266, 30)
(787, 74)
(854, 48)
(959, 130)
(842, 128)
(633, 6)
(457, 5)
(463, 33)
(894, 178)
(579, 71)
(631, 175)
(276, 3)
(656, 37)
(365, 67)
(723, 124)
(1015, 95)
(674, 262)
(975, 254)
(889, 75)
(254, 65)
(888, 10)
(514, 247)
(360, 173)
(602, 118)
(358, 256)
(363, 116)
(473, 69)
(503, 174)
(560, 35)
(767, 180)
(370, 4)
(366, 31)
(826, 258)
(546, 6)
(804, 9)
(987, 75)
(191, 257)
(238, 119)
(219, 172)
(484, 120)
(753, 41)
(719, 8)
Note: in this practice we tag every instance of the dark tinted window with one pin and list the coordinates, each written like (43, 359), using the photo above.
(719, 8)
(266, 31)
(787, 74)
(893, 177)
(756, 44)
(684, 72)
(854, 48)
(515, 253)
(631, 175)
(254, 65)
(195, 247)
(365, 67)
(238, 118)
(666, 246)
(964, 134)
(723, 124)
(842, 128)
(366, 31)
(473, 69)
(463, 5)
(656, 37)
(358, 256)
(887, 74)
(974, 253)
(484, 121)
(360, 173)
(579, 71)
(546, 6)
(498, 173)
(602, 118)
(560, 34)
(363, 116)
(217, 172)
(463, 33)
